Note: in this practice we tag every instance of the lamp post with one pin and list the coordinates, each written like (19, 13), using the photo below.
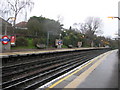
(118, 25)
(47, 38)
(118, 29)
(60, 36)
(115, 17)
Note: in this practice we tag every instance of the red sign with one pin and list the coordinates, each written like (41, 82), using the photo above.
(12, 40)
(5, 39)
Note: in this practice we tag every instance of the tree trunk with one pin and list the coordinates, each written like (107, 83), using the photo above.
(15, 20)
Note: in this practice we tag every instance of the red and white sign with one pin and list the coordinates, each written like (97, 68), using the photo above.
(12, 40)
(5, 39)
(58, 42)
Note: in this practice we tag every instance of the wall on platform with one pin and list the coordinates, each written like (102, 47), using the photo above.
(2, 46)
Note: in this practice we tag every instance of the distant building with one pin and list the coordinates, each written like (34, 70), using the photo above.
(21, 25)
(21, 29)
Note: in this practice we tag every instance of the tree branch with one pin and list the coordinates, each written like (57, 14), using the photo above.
(12, 6)
(21, 8)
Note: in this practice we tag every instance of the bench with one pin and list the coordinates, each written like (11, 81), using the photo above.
(40, 46)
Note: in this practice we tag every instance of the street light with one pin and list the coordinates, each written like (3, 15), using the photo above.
(114, 17)
(12, 18)
(119, 31)
(117, 18)
(60, 36)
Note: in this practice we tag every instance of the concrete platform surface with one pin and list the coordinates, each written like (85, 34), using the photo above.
(105, 75)
(102, 73)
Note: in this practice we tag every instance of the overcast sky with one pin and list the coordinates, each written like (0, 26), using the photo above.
(76, 11)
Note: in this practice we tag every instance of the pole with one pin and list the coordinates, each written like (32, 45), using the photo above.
(119, 27)
(47, 39)
(6, 28)
(92, 43)
(60, 36)
(59, 46)
(119, 39)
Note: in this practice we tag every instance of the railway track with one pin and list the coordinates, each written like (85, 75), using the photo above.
(32, 72)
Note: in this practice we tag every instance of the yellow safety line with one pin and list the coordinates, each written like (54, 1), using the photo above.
(74, 72)
(84, 75)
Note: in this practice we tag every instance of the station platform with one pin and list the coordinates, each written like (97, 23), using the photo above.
(98, 73)
(45, 51)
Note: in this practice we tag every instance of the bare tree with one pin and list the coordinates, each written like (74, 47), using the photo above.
(93, 25)
(81, 27)
(14, 7)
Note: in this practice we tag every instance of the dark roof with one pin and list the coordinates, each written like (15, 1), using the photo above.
(21, 24)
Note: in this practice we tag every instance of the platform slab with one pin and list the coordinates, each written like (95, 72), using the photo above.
(105, 75)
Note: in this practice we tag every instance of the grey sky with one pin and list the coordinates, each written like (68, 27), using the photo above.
(76, 11)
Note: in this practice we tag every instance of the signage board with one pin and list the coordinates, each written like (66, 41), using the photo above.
(12, 40)
(58, 42)
(79, 44)
(5, 39)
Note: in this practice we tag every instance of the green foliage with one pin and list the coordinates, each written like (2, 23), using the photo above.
(21, 41)
(63, 46)
(41, 29)
(29, 46)
(39, 26)
(21, 32)
(38, 41)
(30, 42)
(113, 44)
(71, 37)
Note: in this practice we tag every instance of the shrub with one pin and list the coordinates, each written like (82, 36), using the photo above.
(63, 46)
(38, 41)
(21, 41)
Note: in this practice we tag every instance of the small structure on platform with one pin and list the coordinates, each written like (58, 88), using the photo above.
(58, 43)
(79, 44)
(40, 46)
